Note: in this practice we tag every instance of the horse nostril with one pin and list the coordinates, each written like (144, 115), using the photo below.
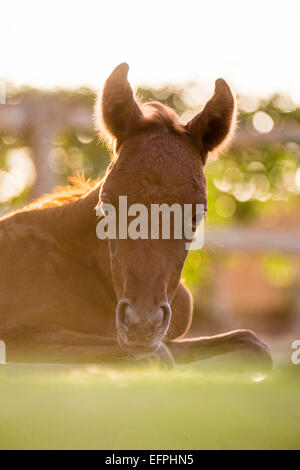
(125, 319)
(122, 313)
(161, 319)
(165, 307)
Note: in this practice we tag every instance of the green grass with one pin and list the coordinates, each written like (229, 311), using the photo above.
(98, 408)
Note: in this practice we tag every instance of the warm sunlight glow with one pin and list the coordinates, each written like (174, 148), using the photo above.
(72, 44)
(258, 377)
(297, 178)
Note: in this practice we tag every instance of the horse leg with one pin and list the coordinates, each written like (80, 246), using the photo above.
(61, 346)
(182, 314)
(242, 341)
(65, 346)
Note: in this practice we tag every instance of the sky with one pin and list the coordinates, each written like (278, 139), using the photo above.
(69, 43)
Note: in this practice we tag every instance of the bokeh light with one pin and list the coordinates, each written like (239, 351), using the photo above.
(262, 122)
(225, 206)
(19, 174)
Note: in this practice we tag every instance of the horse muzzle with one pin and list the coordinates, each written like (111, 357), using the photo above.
(141, 328)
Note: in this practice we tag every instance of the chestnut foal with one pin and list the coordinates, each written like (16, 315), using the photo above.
(66, 296)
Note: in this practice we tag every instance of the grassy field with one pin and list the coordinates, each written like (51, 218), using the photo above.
(98, 408)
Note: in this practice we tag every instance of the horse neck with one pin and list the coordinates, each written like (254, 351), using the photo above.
(78, 221)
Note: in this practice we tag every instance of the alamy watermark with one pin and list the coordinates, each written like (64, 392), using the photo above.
(164, 222)
(295, 357)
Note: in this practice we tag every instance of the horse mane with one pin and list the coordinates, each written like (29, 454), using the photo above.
(77, 187)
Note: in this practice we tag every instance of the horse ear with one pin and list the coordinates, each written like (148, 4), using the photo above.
(213, 127)
(119, 110)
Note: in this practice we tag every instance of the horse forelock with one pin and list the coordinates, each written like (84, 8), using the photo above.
(158, 113)
(154, 114)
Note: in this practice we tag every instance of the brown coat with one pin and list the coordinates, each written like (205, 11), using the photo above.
(60, 285)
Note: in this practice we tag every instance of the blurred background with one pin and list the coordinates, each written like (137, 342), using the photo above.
(55, 56)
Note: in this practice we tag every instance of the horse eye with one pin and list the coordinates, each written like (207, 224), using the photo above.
(104, 200)
(104, 197)
(197, 218)
(99, 209)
